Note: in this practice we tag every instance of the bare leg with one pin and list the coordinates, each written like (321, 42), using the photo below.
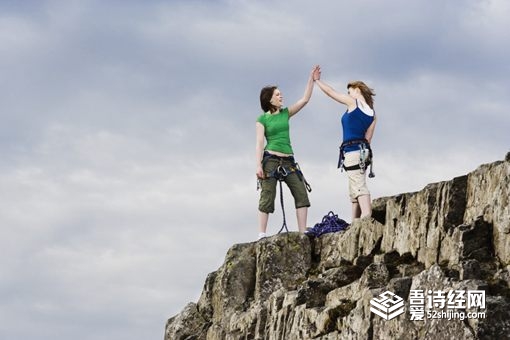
(356, 211)
(263, 218)
(365, 205)
(302, 214)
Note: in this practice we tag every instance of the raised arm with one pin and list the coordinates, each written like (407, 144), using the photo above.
(339, 97)
(259, 149)
(293, 109)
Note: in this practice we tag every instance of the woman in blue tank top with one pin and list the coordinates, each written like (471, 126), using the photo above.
(358, 124)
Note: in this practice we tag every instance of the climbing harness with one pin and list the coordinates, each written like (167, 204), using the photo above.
(364, 161)
(280, 173)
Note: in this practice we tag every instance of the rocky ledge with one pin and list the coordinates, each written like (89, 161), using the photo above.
(430, 248)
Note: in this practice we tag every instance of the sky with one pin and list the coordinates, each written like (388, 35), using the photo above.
(127, 136)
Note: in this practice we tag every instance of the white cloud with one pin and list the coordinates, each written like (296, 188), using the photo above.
(127, 140)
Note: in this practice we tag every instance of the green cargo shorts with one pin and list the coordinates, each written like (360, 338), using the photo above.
(268, 186)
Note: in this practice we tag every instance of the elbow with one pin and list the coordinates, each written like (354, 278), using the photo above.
(369, 136)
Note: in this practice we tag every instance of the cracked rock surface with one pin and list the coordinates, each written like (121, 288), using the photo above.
(450, 236)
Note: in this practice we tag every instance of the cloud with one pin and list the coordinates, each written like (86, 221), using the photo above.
(127, 137)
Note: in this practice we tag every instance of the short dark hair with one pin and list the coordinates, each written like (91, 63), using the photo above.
(265, 98)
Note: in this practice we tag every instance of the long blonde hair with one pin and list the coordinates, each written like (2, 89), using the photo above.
(366, 91)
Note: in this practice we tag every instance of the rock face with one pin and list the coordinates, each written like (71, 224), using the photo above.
(452, 236)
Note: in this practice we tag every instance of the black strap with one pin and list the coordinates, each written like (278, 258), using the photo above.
(283, 171)
(280, 173)
(356, 166)
(364, 144)
(354, 142)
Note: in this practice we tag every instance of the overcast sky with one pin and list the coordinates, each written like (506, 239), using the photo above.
(127, 136)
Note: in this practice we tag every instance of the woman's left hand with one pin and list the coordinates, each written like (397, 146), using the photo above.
(316, 73)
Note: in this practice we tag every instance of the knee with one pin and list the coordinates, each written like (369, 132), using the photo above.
(301, 203)
(298, 191)
(366, 213)
(266, 205)
(266, 202)
(365, 205)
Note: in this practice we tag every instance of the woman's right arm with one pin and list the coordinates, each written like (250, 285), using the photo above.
(339, 97)
(370, 131)
(259, 148)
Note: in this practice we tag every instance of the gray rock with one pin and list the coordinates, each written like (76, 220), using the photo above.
(450, 236)
(189, 324)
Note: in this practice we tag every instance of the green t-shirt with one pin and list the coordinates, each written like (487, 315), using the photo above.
(276, 129)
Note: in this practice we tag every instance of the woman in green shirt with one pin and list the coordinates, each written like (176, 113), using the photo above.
(273, 126)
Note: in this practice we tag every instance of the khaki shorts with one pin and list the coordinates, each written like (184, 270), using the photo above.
(357, 180)
(268, 186)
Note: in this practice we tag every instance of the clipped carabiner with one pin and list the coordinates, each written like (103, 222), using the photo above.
(282, 171)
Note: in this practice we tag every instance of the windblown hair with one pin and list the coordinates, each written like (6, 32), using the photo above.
(265, 98)
(366, 91)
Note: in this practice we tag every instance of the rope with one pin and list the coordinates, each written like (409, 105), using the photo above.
(330, 223)
(284, 225)
(280, 173)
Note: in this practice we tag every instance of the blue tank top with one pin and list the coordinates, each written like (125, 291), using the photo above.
(354, 125)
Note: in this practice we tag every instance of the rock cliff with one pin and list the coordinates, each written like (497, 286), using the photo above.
(450, 237)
